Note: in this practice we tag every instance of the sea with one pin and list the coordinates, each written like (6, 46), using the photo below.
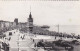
(69, 29)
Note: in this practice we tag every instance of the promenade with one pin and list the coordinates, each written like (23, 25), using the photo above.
(18, 44)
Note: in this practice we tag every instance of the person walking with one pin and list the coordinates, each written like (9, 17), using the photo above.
(7, 47)
(0, 47)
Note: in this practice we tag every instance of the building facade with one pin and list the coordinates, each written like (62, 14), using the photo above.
(4, 24)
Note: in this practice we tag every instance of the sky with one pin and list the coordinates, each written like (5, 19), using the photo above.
(43, 12)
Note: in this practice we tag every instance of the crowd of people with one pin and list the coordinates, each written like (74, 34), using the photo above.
(4, 46)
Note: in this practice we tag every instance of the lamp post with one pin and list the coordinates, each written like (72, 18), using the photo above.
(18, 42)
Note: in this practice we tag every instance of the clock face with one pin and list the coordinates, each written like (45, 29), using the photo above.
(30, 20)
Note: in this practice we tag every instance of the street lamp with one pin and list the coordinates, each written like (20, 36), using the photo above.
(18, 43)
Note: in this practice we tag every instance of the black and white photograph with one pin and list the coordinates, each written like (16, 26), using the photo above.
(39, 25)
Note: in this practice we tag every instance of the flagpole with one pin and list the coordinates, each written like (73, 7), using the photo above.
(58, 28)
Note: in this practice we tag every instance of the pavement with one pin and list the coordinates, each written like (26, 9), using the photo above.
(17, 44)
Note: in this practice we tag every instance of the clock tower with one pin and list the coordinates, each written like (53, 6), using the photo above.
(30, 23)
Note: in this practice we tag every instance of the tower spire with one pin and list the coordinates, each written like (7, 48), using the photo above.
(30, 16)
(30, 9)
